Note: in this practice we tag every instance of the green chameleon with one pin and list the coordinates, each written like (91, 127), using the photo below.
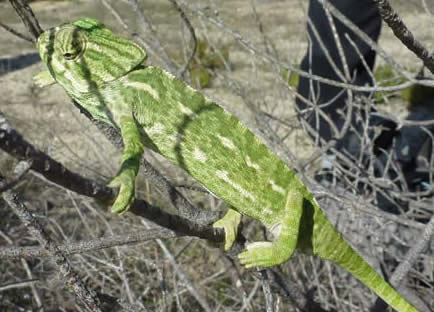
(105, 74)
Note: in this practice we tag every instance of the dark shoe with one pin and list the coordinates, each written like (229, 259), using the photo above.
(411, 159)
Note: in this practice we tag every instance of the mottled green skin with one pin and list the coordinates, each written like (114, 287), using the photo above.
(153, 109)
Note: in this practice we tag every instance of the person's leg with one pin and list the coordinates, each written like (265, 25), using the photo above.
(406, 146)
(412, 159)
(333, 100)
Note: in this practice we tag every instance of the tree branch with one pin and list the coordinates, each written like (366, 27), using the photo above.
(70, 278)
(71, 248)
(192, 34)
(28, 18)
(16, 33)
(14, 144)
(401, 31)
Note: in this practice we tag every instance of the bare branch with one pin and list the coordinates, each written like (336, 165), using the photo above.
(411, 256)
(192, 33)
(184, 207)
(20, 284)
(13, 143)
(27, 16)
(16, 33)
(402, 32)
(20, 170)
(71, 248)
(269, 58)
(70, 277)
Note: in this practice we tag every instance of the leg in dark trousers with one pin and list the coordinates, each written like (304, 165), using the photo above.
(328, 98)
(410, 142)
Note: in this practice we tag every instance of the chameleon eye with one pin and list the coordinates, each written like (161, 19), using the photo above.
(70, 42)
(72, 51)
(69, 56)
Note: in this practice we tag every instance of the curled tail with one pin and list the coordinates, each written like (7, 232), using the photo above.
(328, 244)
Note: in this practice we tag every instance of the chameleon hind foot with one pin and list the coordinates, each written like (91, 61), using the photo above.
(266, 254)
(229, 223)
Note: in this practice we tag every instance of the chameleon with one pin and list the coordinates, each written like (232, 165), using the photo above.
(106, 74)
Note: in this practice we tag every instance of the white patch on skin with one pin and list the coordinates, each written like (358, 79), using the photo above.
(209, 191)
(172, 138)
(258, 245)
(267, 211)
(96, 47)
(172, 77)
(58, 66)
(60, 70)
(185, 110)
(175, 137)
(157, 128)
(251, 164)
(190, 88)
(199, 155)
(277, 188)
(143, 86)
(169, 75)
(224, 176)
(76, 84)
(227, 142)
(275, 229)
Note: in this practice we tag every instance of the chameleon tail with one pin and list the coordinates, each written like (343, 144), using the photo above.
(328, 244)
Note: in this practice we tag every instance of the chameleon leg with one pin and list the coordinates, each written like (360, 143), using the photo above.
(229, 223)
(44, 79)
(266, 254)
(130, 163)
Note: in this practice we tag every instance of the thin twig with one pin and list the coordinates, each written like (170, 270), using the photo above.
(401, 31)
(193, 37)
(27, 16)
(70, 277)
(269, 300)
(71, 248)
(180, 272)
(184, 207)
(366, 39)
(20, 284)
(20, 170)
(411, 256)
(258, 52)
(14, 144)
(16, 33)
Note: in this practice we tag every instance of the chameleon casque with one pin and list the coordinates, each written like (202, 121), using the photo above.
(152, 109)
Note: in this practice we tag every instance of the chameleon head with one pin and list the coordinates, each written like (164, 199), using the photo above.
(83, 55)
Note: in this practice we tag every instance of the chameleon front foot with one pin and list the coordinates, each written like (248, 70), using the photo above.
(43, 79)
(126, 193)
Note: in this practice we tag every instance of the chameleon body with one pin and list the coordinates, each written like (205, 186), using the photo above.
(152, 109)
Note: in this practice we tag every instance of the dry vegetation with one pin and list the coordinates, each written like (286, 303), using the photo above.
(156, 271)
